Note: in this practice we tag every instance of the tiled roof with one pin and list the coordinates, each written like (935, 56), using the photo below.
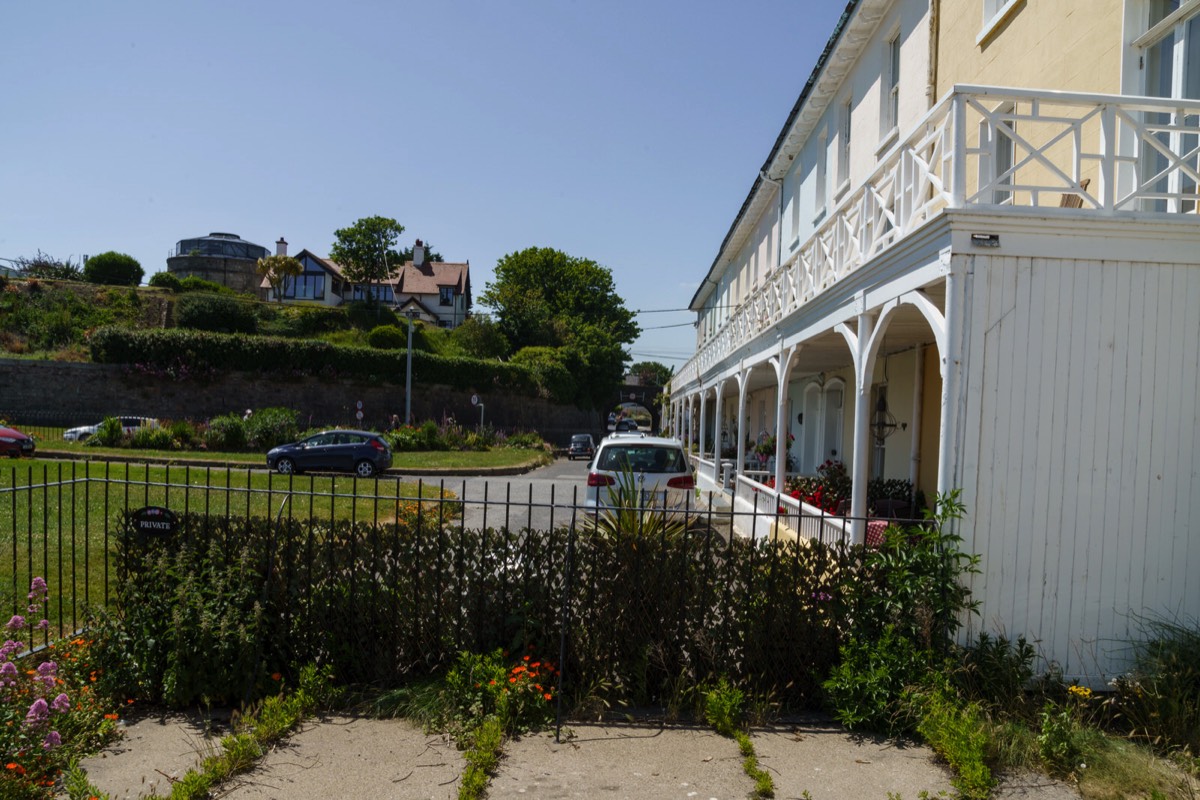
(409, 279)
(430, 276)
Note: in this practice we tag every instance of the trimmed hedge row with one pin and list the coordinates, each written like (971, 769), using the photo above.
(201, 351)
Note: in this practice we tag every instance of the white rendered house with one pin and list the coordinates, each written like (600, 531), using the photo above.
(972, 260)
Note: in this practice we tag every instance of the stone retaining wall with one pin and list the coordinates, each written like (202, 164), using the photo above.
(61, 393)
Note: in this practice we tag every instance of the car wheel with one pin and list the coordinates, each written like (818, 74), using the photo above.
(285, 466)
(364, 469)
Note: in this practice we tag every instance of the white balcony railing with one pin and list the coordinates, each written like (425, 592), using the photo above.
(984, 146)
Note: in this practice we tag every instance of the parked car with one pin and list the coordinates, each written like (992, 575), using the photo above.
(657, 465)
(626, 425)
(129, 425)
(15, 444)
(582, 445)
(361, 452)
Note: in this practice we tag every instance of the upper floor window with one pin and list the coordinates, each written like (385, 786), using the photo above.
(845, 120)
(994, 13)
(446, 295)
(821, 168)
(382, 293)
(891, 108)
(1171, 47)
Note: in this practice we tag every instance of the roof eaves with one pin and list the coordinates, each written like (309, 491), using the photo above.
(779, 140)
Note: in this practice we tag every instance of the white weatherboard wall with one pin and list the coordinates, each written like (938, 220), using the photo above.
(1081, 459)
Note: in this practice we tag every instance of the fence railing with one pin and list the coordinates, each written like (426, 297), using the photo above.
(403, 575)
(983, 146)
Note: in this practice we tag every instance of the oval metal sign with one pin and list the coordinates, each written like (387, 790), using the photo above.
(155, 521)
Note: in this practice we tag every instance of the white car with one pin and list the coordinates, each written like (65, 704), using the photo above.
(658, 467)
(128, 424)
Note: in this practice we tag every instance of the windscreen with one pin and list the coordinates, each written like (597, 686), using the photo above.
(642, 458)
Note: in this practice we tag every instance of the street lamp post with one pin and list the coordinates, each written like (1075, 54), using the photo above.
(410, 313)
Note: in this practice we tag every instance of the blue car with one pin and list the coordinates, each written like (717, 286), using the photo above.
(362, 452)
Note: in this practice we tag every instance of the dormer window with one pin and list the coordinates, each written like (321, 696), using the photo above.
(446, 295)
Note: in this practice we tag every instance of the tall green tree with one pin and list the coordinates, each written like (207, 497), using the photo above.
(277, 269)
(365, 249)
(652, 372)
(113, 269)
(545, 298)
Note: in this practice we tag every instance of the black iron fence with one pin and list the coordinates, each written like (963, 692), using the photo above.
(388, 580)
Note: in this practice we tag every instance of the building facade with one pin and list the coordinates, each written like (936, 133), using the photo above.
(978, 269)
(435, 292)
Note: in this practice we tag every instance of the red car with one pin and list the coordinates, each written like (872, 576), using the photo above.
(15, 444)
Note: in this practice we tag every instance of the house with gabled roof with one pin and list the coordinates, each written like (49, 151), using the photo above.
(437, 292)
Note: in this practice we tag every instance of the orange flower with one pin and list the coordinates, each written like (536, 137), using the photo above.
(512, 680)
(525, 658)
(546, 695)
(276, 676)
(112, 716)
(492, 682)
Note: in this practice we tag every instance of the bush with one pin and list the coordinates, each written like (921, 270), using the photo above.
(271, 427)
(201, 351)
(367, 316)
(152, 439)
(387, 337)
(114, 269)
(193, 283)
(866, 687)
(212, 312)
(297, 321)
(109, 434)
(1158, 701)
(225, 433)
(166, 280)
(184, 434)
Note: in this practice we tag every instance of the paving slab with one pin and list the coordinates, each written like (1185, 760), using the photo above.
(611, 760)
(344, 756)
(154, 747)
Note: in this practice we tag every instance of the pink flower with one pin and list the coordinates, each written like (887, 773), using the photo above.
(16, 623)
(61, 704)
(51, 741)
(38, 713)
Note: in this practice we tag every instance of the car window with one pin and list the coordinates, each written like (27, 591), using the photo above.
(642, 458)
(320, 439)
(349, 438)
(584, 439)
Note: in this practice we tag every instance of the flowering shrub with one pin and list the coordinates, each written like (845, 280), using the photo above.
(825, 491)
(480, 686)
(49, 711)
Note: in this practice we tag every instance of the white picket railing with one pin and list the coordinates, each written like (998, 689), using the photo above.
(984, 146)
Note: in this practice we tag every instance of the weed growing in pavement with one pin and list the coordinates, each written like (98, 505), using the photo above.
(723, 710)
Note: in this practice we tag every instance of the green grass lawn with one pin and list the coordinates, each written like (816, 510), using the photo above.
(432, 459)
(59, 519)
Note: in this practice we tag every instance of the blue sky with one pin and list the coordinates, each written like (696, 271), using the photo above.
(624, 132)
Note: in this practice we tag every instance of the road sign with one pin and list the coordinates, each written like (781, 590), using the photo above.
(474, 399)
(358, 405)
(359, 415)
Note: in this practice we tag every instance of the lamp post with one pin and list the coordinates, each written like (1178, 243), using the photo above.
(410, 313)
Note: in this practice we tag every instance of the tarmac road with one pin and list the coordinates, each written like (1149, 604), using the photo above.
(540, 499)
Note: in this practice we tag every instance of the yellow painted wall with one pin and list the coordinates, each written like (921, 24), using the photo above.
(1068, 45)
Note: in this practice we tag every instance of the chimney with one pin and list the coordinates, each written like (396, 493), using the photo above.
(281, 247)
(418, 254)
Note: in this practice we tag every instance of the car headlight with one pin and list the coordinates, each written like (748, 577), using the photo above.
(9, 439)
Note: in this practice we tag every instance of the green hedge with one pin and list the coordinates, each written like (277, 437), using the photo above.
(214, 312)
(202, 351)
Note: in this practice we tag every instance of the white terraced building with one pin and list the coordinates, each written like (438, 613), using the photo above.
(972, 260)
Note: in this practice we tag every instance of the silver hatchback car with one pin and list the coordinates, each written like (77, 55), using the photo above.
(658, 467)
